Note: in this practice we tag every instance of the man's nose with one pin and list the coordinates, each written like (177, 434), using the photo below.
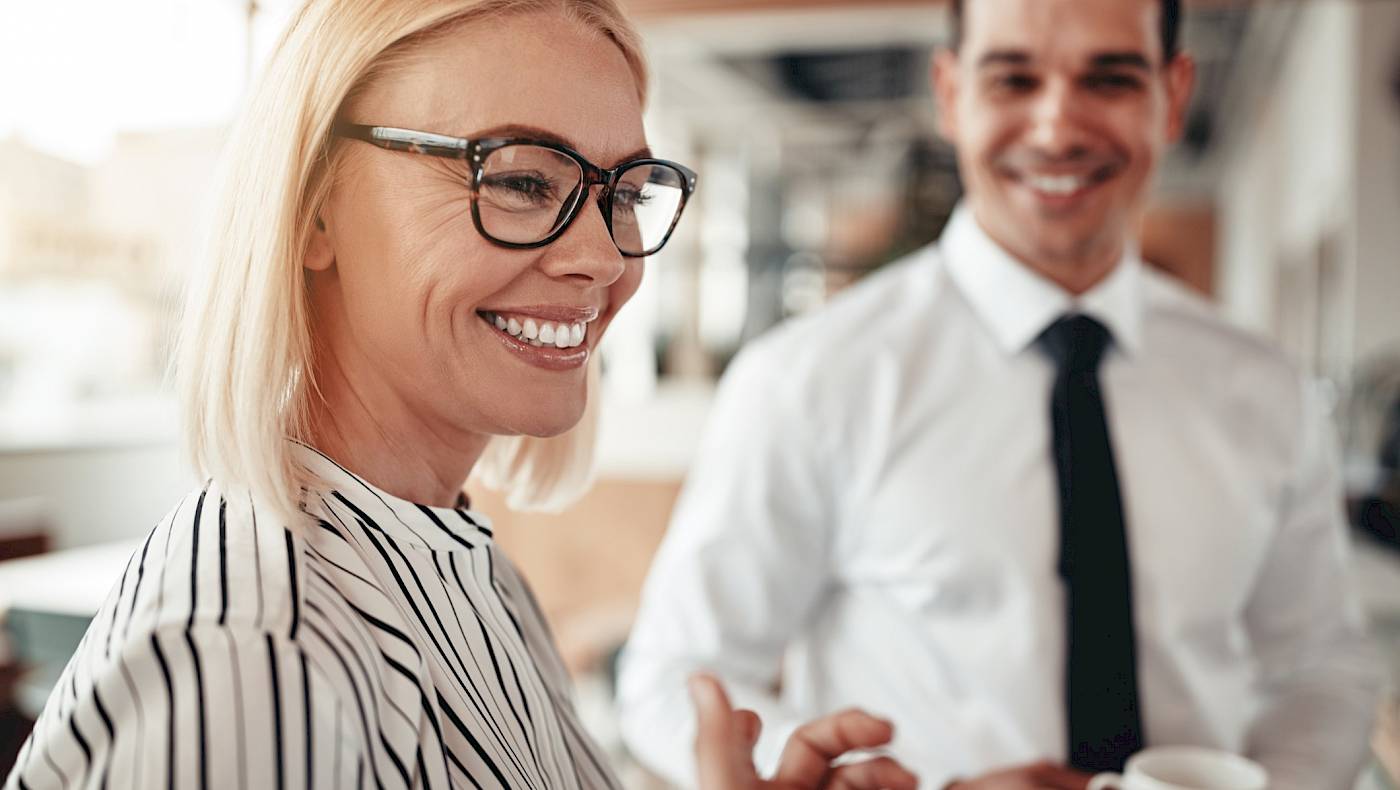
(1055, 116)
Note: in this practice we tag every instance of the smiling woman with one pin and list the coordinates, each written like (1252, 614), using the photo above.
(245, 397)
(372, 327)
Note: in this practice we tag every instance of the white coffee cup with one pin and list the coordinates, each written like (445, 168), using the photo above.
(1185, 768)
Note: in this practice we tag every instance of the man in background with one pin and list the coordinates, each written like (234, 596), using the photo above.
(1021, 493)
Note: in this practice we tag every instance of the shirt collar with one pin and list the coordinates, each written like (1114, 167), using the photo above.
(429, 527)
(1016, 304)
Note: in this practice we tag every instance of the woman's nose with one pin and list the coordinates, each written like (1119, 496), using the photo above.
(586, 250)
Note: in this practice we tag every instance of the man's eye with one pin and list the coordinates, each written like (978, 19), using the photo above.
(1015, 83)
(1113, 83)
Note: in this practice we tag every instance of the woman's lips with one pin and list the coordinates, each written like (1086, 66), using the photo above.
(558, 313)
(555, 346)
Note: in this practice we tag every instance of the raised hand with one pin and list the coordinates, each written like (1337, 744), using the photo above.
(725, 739)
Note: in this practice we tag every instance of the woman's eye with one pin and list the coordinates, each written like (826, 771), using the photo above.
(630, 198)
(531, 187)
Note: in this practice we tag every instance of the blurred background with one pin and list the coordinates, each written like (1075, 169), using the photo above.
(812, 124)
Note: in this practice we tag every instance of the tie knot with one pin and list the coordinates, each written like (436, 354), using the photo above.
(1076, 342)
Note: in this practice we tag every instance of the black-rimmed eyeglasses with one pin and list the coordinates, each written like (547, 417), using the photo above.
(525, 193)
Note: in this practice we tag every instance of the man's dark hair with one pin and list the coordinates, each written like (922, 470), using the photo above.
(1395, 82)
(1171, 26)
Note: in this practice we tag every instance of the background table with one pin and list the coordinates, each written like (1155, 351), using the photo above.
(46, 603)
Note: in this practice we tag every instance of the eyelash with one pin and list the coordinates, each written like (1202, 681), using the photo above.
(632, 197)
(1015, 82)
(1112, 83)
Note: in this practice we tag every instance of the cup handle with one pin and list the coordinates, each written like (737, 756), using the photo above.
(1106, 782)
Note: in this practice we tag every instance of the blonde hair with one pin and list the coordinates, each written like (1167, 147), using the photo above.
(244, 368)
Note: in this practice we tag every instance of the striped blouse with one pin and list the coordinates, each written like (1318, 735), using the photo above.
(395, 646)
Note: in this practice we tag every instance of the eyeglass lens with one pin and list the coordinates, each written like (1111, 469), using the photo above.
(527, 192)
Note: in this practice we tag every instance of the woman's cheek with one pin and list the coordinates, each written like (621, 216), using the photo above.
(620, 292)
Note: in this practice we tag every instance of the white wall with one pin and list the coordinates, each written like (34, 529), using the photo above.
(96, 494)
(1310, 193)
(154, 185)
(1378, 186)
(1287, 181)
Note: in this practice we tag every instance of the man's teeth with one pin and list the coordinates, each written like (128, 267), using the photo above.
(541, 333)
(1057, 185)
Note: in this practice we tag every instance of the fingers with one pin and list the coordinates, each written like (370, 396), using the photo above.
(881, 773)
(723, 737)
(749, 727)
(1060, 777)
(808, 754)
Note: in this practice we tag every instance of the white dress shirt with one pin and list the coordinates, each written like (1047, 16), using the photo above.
(873, 521)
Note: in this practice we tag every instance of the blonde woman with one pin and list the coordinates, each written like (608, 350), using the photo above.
(431, 212)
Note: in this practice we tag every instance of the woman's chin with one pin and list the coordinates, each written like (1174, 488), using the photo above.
(544, 423)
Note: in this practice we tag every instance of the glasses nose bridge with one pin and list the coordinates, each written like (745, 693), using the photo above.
(594, 175)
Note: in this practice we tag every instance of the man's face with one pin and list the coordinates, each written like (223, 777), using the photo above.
(1060, 110)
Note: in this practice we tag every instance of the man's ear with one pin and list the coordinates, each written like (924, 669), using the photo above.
(945, 78)
(1181, 80)
(320, 252)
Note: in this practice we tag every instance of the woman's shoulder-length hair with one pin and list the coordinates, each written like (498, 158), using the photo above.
(243, 364)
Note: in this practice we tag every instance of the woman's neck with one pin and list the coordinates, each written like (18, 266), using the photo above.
(367, 428)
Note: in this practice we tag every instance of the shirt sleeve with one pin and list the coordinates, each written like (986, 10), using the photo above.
(1320, 678)
(741, 567)
(199, 707)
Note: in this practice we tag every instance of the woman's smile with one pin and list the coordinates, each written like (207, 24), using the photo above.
(552, 337)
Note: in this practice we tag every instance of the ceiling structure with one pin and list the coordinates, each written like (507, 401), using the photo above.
(825, 78)
(662, 8)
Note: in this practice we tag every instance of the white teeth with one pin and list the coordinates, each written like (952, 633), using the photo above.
(542, 333)
(1056, 185)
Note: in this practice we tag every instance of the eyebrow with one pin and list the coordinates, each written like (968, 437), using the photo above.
(1103, 60)
(1110, 60)
(546, 136)
(1004, 57)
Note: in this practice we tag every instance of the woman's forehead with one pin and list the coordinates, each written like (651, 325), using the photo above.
(536, 70)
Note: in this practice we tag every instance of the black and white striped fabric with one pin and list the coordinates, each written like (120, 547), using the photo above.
(393, 647)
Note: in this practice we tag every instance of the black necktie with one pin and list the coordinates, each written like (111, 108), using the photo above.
(1101, 667)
